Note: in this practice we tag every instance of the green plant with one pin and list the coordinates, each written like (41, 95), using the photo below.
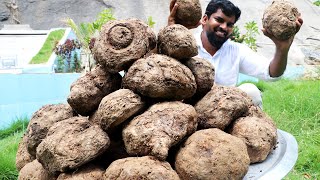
(17, 126)
(9, 141)
(317, 3)
(86, 32)
(249, 38)
(8, 150)
(67, 60)
(150, 22)
(45, 52)
(236, 35)
(296, 112)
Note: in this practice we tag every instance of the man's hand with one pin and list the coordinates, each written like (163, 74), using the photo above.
(173, 11)
(278, 64)
(283, 44)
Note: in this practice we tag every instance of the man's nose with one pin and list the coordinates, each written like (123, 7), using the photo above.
(224, 26)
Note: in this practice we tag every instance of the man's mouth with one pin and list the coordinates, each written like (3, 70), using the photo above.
(221, 34)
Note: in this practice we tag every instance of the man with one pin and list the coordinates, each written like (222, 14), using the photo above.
(230, 58)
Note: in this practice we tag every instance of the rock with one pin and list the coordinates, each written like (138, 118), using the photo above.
(4, 12)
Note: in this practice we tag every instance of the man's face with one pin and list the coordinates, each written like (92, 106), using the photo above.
(218, 27)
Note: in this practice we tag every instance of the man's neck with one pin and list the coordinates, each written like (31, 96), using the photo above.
(207, 45)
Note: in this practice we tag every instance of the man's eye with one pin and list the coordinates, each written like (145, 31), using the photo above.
(219, 20)
(230, 25)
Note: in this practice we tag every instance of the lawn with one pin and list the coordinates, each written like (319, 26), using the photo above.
(8, 149)
(46, 50)
(294, 105)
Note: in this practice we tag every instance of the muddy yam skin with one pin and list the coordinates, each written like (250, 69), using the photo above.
(177, 41)
(42, 120)
(203, 72)
(87, 92)
(280, 19)
(212, 154)
(221, 106)
(70, 144)
(117, 107)
(188, 13)
(259, 134)
(160, 127)
(87, 172)
(121, 42)
(160, 77)
(23, 157)
(34, 170)
(146, 167)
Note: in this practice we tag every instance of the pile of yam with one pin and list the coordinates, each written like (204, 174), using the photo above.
(164, 119)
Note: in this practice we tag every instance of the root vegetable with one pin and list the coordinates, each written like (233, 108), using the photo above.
(34, 170)
(260, 136)
(121, 42)
(212, 154)
(188, 13)
(177, 41)
(146, 167)
(70, 144)
(115, 151)
(87, 92)
(117, 107)
(160, 127)
(42, 120)
(86, 172)
(280, 19)
(160, 77)
(203, 72)
(23, 157)
(222, 105)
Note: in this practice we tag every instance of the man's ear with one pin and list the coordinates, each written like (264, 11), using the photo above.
(204, 19)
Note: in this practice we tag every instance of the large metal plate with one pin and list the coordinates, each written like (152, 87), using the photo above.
(279, 162)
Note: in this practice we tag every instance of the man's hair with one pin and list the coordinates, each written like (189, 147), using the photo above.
(227, 7)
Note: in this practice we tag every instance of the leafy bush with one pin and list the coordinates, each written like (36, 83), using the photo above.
(317, 3)
(86, 32)
(249, 38)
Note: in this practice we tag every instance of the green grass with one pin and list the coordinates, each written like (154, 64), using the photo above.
(17, 126)
(45, 52)
(294, 105)
(8, 149)
(9, 141)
